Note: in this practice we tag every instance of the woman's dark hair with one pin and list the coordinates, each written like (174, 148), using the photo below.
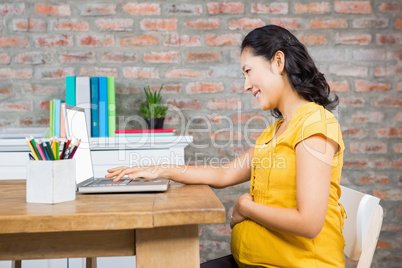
(299, 66)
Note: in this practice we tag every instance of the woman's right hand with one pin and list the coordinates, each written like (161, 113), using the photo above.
(149, 172)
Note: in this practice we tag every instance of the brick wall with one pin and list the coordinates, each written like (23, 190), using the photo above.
(192, 48)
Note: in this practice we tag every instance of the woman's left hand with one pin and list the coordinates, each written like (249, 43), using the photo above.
(237, 216)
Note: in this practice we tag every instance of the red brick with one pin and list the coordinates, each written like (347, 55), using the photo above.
(373, 179)
(389, 39)
(39, 89)
(143, 40)
(369, 54)
(226, 135)
(114, 24)
(398, 23)
(4, 58)
(8, 73)
(355, 164)
(19, 25)
(391, 132)
(96, 9)
(136, 72)
(377, 23)
(288, 23)
(398, 117)
(12, 9)
(204, 23)
(147, 8)
(224, 104)
(353, 39)
(223, 40)
(96, 40)
(314, 8)
(273, 8)
(158, 24)
(348, 70)
(55, 73)
(383, 245)
(355, 133)
(185, 9)
(247, 118)
(118, 57)
(397, 148)
(313, 39)
(13, 41)
(34, 57)
(36, 25)
(26, 121)
(213, 56)
(78, 57)
(54, 41)
(329, 23)
(368, 117)
(339, 86)
(183, 40)
(16, 107)
(245, 23)
(382, 164)
(71, 25)
(393, 194)
(389, 101)
(162, 57)
(368, 148)
(204, 87)
(388, 71)
(390, 7)
(192, 104)
(98, 71)
(52, 10)
(225, 8)
(171, 88)
(353, 7)
(184, 73)
(356, 102)
(394, 55)
(6, 90)
(362, 86)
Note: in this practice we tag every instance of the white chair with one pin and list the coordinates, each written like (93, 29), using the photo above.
(362, 226)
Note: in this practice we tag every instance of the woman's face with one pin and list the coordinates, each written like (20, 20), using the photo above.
(263, 79)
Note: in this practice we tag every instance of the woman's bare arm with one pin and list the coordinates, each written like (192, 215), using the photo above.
(235, 172)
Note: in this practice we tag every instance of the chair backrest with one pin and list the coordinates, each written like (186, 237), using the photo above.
(362, 226)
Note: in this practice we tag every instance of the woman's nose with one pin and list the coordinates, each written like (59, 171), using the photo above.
(247, 85)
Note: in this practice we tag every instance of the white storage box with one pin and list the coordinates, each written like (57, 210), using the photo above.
(50, 181)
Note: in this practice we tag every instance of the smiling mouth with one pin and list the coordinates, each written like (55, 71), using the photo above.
(257, 94)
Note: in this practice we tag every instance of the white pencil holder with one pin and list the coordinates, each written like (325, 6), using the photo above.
(50, 182)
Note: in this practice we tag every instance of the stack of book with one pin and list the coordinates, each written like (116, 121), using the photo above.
(57, 125)
(97, 96)
(128, 133)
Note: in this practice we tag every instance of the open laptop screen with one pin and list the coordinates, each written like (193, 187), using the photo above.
(77, 128)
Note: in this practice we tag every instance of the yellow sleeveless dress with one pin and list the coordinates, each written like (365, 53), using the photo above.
(273, 183)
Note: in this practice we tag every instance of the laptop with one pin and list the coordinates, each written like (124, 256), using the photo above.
(86, 183)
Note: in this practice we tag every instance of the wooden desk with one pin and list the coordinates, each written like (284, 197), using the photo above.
(161, 229)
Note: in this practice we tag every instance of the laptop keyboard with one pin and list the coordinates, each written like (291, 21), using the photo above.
(122, 182)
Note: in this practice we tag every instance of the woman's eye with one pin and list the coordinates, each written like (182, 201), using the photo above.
(247, 71)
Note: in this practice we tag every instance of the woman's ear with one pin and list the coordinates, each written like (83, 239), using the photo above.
(279, 62)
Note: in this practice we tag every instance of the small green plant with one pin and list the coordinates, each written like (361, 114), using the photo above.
(153, 108)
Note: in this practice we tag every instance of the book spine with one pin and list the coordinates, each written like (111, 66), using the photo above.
(83, 98)
(95, 106)
(51, 119)
(111, 99)
(103, 116)
(62, 120)
(57, 114)
(70, 90)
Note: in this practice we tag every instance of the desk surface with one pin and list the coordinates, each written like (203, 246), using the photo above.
(180, 205)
